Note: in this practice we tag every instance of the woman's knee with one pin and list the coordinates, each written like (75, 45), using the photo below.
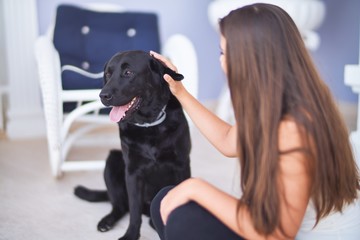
(155, 211)
(155, 203)
(191, 221)
(183, 222)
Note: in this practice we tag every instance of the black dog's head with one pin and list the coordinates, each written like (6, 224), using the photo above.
(134, 86)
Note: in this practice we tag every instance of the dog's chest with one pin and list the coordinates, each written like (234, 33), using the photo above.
(146, 148)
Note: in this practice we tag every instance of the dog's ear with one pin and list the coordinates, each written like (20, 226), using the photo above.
(159, 67)
(176, 76)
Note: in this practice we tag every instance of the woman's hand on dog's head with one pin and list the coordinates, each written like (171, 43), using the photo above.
(176, 87)
(164, 60)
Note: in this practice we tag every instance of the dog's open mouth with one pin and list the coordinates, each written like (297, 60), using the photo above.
(118, 113)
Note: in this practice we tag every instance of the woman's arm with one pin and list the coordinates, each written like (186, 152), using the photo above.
(294, 193)
(221, 204)
(219, 133)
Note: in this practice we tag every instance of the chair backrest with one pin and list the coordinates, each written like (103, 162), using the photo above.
(87, 39)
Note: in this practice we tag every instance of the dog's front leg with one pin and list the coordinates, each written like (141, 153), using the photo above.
(135, 194)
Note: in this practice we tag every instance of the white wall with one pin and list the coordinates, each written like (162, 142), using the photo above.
(3, 77)
(24, 114)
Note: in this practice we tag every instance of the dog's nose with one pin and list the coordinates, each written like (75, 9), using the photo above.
(105, 96)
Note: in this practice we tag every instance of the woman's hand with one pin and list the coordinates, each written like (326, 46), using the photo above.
(225, 136)
(179, 195)
(176, 87)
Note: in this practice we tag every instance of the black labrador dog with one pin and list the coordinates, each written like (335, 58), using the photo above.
(154, 134)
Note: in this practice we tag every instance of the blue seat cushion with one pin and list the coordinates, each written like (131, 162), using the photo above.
(87, 39)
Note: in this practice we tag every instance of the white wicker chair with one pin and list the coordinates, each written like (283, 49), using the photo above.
(60, 139)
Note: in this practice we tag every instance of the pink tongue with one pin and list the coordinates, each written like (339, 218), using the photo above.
(117, 113)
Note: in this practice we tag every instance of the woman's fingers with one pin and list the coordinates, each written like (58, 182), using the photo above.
(164, 60)
(175, 86)
(168, 78)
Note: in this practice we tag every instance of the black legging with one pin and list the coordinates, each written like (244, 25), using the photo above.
(188, 222)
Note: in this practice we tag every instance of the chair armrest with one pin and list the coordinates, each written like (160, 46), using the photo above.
(180, 50)
(48, 64)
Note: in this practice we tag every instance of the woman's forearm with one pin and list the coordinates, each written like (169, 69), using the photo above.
(219, 203)
(224, 207)
(220, 134)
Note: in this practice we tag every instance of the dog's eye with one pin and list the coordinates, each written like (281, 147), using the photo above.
(107, 75)
(128, 73)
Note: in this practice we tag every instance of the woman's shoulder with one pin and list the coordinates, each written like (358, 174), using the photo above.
(293, 149)
(290, 135)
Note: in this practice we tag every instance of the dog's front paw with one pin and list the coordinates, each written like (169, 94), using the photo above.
(104, 225)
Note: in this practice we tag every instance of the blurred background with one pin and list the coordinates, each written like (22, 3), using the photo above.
(36, 196)
(338, 32)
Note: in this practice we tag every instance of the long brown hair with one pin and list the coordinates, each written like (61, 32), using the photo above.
(271, 76)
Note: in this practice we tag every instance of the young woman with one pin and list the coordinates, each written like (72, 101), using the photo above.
(299, 178)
